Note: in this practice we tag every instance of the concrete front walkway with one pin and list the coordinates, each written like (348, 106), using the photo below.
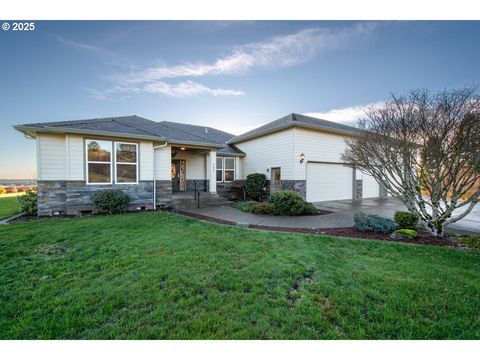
(341, 216)
(228, 213)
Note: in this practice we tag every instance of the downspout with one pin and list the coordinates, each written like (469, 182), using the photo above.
(154, 176)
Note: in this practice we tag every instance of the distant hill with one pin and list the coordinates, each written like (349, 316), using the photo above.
(18, 182)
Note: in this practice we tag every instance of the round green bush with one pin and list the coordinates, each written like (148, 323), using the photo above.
(111, 201)
(287, 202)
(28, 202)
(406, 219)
(254, 184)
(309, 209)
(263, 208)
(407, 232)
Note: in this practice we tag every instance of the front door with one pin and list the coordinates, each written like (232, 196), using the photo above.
(275, 180)
(178, 175)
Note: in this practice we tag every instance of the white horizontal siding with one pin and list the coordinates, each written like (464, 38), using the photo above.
(163, 162)
(317, 146)
(273, 150)
(52, 161)
(195, 164)
(75, 157)
(238, 168)
(146, 160)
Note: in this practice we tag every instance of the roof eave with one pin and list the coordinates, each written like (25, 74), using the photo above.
(63, 130)
(32, 130)
(195, 143)
(239, 138)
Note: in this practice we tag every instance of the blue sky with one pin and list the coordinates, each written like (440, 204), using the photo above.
(229, 75)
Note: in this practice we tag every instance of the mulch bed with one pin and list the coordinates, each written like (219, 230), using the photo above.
(422, 238)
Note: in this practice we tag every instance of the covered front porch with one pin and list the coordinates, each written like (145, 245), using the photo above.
(182, 169)
(192, 169)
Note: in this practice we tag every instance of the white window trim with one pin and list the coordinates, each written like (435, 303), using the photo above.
(98, 162)
(125, 163)
(223, 169)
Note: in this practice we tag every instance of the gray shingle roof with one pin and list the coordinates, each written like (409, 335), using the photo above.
(207, 133)
(294, 120)
(139, 127)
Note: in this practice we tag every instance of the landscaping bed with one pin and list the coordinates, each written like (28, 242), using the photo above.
(423, 237)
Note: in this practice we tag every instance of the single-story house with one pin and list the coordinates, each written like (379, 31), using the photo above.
(151, 161)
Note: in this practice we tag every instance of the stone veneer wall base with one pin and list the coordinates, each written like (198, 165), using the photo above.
(75, 197)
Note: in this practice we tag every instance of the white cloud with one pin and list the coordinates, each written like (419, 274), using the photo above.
(182, 89)
(281, 51)
(349, 115)
(186, 88)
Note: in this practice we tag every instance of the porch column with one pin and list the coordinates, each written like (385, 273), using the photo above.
(212, 167)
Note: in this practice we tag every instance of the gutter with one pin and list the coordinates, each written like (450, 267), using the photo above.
(154, 178)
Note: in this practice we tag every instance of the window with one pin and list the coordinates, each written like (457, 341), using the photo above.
(99, 162)
(229, 172)
(225, 169)
(126, 163)
(219, 169)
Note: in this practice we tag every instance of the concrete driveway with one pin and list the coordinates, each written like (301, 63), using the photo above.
(387, 208)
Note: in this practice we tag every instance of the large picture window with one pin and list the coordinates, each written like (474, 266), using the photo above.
(99, 162)
(101, 165)
(126, 169)
(225, 169)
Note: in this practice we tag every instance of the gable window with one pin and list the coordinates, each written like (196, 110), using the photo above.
(126, 163)
(99, 162)
(225, 169)
(102, 167)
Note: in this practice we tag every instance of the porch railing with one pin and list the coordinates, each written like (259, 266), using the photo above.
(196, 193)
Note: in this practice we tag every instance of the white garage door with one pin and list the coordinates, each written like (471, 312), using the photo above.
(371, 189)
(329, 182)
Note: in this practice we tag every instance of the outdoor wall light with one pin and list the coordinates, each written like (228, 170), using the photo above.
(182, 148)
(301, 158)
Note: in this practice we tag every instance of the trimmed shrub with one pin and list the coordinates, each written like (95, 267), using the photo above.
(28, 202)
(287, 202)
(472, 241)
(111, 201)
(244, 206)
(407, 232)
(309, 209)
(406, 219)
(2, 190)
(255, 183)
(373, 223)
(263, 208)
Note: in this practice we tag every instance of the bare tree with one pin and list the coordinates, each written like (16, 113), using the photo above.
(424, 148)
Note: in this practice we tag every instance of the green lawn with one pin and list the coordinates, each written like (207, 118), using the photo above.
(8, 206)
(159, 275)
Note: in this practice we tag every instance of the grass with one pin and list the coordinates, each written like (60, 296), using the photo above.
(163, 276)
(8, 205)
